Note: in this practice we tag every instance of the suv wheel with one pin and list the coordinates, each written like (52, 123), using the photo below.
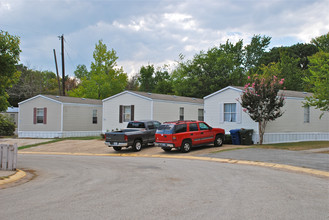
(186, 146)
(218, 140)
(137, 146)
(117, 148)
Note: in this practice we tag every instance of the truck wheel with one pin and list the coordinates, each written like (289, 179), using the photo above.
(186, 146)
(218, 140)
(117, 148)
(137, 146)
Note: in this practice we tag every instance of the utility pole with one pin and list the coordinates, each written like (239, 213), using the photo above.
(59, 84)
(63, 65)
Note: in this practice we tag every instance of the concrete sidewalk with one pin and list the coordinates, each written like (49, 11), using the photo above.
(306, 159)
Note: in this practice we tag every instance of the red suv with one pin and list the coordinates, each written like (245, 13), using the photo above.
(186, 134)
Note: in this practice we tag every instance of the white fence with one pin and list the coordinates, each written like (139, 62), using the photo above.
(271, 138)
(8, 156)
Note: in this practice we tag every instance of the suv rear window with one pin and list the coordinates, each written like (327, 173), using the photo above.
(165, 129)
(136, 125)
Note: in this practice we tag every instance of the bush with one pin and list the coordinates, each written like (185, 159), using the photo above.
(7, 126)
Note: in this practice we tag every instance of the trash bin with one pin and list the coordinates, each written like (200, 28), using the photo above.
(246, 136)
(235, 136)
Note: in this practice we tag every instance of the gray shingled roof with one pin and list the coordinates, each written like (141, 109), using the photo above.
(67, 99)
(287, 93)
(156, 96)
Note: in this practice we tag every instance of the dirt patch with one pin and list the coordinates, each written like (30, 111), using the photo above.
(98, 147)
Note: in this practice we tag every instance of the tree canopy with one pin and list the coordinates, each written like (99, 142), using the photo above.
(104, 78)
(9, 57)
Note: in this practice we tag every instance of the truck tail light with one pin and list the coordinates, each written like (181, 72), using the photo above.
(126, 138)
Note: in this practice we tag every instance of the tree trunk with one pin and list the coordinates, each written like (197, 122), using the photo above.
(261, 127)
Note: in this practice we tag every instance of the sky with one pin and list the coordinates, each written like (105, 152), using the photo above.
(152, 32)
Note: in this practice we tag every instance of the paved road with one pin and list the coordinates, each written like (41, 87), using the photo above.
(319, 161)
(102, 187)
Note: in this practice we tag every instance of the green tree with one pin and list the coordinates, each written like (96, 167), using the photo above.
(82, 72)
(104, 79)
(255, 51)
(209, 71)
(146, 78)
(7, 126)
(162, 81)
(322, 42)
(9, 57)
(319, 80)
(32, 83)
(261, 99)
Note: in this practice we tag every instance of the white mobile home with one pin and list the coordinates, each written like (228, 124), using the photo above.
(298, 123)
(131, 105)
(48, 116)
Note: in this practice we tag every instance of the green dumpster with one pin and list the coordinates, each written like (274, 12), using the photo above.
(246, 136)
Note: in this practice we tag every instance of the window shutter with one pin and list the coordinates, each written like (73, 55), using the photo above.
(132, 108)
(221, 113)
(120, 113)
(34, 115)
(45, 115)
(238, 113)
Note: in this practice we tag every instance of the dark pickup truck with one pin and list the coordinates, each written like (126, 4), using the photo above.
(137, 134)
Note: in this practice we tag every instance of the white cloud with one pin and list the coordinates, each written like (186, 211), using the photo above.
(154, 32)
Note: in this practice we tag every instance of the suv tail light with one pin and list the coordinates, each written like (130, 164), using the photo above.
(174, 137)
(126, 138)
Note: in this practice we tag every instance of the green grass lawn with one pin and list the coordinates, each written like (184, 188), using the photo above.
(307, 145)
(60, 139)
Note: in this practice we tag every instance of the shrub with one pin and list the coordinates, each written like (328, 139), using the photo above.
(7, 126)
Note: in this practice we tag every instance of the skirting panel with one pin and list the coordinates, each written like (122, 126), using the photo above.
(271, 138)
(55, 134)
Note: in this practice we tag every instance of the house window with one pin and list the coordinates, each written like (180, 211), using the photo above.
(230, 112)
(126, 113)
(40, 115)
(181, 113)
(94, 116)
(307, 114)
(200, 114)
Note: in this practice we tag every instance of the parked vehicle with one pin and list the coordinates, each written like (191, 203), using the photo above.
(183, 135)
(137, 134)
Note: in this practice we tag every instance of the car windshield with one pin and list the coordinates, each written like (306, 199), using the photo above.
(165, 129)
(136, 125)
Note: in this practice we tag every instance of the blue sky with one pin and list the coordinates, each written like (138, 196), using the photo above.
(155, 32)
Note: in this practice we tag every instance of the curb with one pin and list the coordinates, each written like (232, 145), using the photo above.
(212, 159)
(12, 178)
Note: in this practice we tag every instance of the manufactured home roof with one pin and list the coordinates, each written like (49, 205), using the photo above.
(67, 99)
(286, 93)
(155, 96)
(169, 97)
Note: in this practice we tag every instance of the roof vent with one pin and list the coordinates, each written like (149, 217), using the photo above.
(174, 96)
(83, 98)
(57, 96)
(304, 92)
(149, 93)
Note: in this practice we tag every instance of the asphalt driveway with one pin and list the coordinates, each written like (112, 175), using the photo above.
(318, 161)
